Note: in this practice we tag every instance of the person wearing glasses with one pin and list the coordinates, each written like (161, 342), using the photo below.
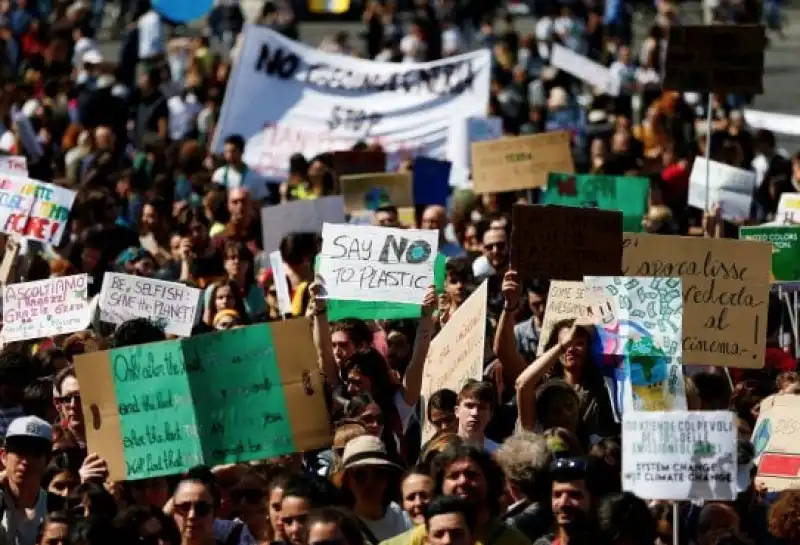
(67, 397)
(573, 488)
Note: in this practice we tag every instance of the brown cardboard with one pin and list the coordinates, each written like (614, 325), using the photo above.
(520, 162)
(358, 162)
(717, 58)
(776, 439)
(565, 300)
(565, 243)
(9, 265)
(725, 291)
(358, 187)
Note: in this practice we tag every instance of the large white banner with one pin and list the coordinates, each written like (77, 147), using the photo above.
(285, 97)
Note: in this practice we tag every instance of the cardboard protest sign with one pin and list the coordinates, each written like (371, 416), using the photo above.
(680, 455)
(729, 187)
(299, 217)
(371, 191)
(377, 263)
(520, 162)
(725, 292)
(565, 243)
(358, 162)
(628, 194)
(232, 396)
(172, 305)
(14, 164)
(639, 341)
(45, 308)
(34, 209)
(431, 181)
(785, 248)
(457, 352)
(715, 58)
(565, 300)
(788, 209)
(776, 441)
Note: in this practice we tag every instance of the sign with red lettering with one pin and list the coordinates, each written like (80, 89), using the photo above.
(33, 209)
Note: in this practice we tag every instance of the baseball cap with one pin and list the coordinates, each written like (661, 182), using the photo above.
(30, 427)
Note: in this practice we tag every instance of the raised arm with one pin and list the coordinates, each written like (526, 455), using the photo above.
(412, 381)
(505, 345)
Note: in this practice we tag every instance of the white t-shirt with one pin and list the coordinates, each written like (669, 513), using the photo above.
(182, 115)
(451, 41)
(151, 35)
(81, 47)
(394, 522)
(230, 178)
(544, 33)
(413, 48)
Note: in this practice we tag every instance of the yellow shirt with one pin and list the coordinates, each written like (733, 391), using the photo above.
(496, 531)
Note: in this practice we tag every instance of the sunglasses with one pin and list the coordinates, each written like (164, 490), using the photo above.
(253, 495)
(68, 399)
(201, 508)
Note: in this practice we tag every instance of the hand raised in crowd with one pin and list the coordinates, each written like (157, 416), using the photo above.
(569, 339)
(94, 468)
(712, 222)
(430, 302)
(510, 289)
(317, 304)
(187, 253)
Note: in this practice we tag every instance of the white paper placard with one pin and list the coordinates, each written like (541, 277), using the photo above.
(45, 308)
(788, 209)
(299, 217)
(365, 263)
(170, 304)
(33, 209)
(14, 164)
(730, 187)
(584, 68)
(281, 285)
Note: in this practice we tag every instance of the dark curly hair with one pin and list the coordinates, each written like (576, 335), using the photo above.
(495, 480)
(784, 517)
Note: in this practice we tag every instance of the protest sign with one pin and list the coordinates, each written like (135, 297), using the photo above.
(725, 292)
(715, 58)
(776, 442)
(169, 304)
(788, 211)
(520, 162)
(322, 102)
(377, 263)
(244, 394)
(584, 68)
(9, 267)
(45, 308)
(34, 209)
(776, 122)
(680, 455)
(785, 242)
(628, 194)
(281, 283)
(358, 162)
(565, 243)
(565, 300)
(729, 187)
(14, 164)
(465, 131)
(371, 191)
(639, 341)
(456, 353)
(299, 217)
(431, 181)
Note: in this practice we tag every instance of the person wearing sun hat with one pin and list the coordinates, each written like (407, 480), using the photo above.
(369, 479)
(23, 502)
(227, 319)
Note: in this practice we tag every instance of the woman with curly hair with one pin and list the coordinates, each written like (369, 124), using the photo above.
(784, 517)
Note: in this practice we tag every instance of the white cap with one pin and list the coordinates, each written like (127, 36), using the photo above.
(30, 426)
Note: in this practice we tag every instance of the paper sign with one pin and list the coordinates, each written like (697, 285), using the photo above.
(725, 293)
(232, 396)
(281, 284)
(431, 181)
(583, 68)
(565, 243)
(785, 249)
(788, 209)
(775, 122)
(640, 339)
(715, 58)
(14, 164)
(457, 352)
(299, 217)
(680, 455)
(520, 162)
(465, 131)
(170, 304)
(45, 308)
(565, 300)
(358, 162)
(776, 441)
(372, 191)
(627, 194)
(377, 263)
(729, 187)
(34, 209)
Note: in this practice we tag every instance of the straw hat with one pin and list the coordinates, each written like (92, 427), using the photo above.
(366, 451)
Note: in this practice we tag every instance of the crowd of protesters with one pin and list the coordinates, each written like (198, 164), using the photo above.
(530, 454)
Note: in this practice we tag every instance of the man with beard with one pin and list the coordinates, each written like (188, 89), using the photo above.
(468, 472)
(571, 494)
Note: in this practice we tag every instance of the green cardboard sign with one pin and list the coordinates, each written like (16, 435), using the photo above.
(785, 242)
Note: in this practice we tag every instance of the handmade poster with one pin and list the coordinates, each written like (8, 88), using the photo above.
(729, 187)
(372, 191)
(628, 194)
(785, 248)
(281, 284)
(725, 291)
(45, 308)
(584, 68)
(322, 102)
(170, 304)
(358, 162)
(565, 300)
(680, 455)
(33, 209)
(788, 212)
(565, 243)
(639, 339)
(14, 164)
(456, 354)
(377, 263)
(299, 217)
(776, 441)
(431, 181)
(232, 396)
(520, 162)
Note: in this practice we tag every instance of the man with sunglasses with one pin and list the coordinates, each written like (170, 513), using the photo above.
(573, 485)
(29, 440)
